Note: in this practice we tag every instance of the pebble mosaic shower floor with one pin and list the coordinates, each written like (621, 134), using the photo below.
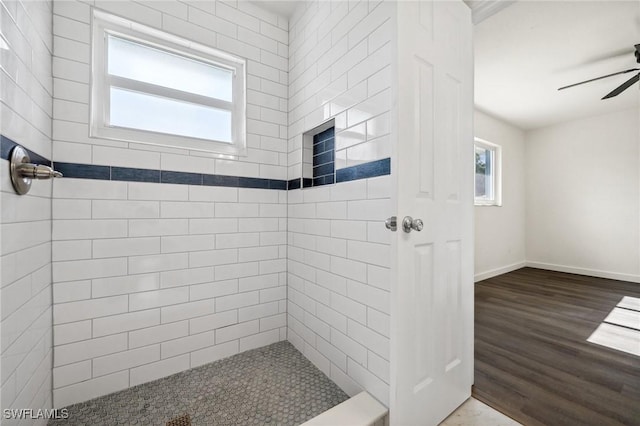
(273, 385)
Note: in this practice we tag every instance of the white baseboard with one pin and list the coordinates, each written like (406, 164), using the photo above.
(584, 271)
(499, 271)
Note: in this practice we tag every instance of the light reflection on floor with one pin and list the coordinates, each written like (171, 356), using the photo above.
(620, 330)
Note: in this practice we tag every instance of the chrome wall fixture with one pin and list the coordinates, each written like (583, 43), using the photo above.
(23, 171)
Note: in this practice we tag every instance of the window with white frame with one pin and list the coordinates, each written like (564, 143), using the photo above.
(488, 158)
(156, 88)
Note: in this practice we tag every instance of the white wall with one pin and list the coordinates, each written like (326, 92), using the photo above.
(338, 248)
(583, 196)
(500, 231)
(151, 279)
(25, 293)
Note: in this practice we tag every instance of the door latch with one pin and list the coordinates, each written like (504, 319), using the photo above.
(391, 223)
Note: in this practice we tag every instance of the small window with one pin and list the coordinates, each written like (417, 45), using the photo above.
(488, 190)
(155, 88)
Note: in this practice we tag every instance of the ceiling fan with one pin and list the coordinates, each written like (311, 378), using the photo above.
(624, 86)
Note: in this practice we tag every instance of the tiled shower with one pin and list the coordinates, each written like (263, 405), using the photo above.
(145, 261)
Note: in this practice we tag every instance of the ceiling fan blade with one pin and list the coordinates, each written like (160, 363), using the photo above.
(600, 78)
(624, 86)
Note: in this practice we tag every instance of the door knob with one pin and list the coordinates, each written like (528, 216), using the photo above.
(391, 223)
(409, 223)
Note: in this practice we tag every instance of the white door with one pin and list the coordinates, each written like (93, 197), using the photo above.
(432, 296)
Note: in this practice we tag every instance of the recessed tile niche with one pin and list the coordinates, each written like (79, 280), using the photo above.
(318, 156)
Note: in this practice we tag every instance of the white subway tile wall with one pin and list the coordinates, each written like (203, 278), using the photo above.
(152, 279)
(338, 248)
(244, 31)
(158, 304)
(339, 67)
(338, 284)
(25, 221)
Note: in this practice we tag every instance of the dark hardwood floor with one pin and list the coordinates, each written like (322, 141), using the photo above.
(532, 358)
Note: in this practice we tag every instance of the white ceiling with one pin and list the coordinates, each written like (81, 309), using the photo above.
(524, 53)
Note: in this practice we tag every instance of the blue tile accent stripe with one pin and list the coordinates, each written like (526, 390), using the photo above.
(184, 178)
(307, 182)
(294, 184)
(133, 175)
(6, 145)
(278, 184)
(219, 180)
(92, 171)
(84, 171)
(365, 170)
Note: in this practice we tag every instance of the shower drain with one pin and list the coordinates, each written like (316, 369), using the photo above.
(184, 420)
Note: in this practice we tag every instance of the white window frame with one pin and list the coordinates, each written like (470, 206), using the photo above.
(104, 25)
(496, 172)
